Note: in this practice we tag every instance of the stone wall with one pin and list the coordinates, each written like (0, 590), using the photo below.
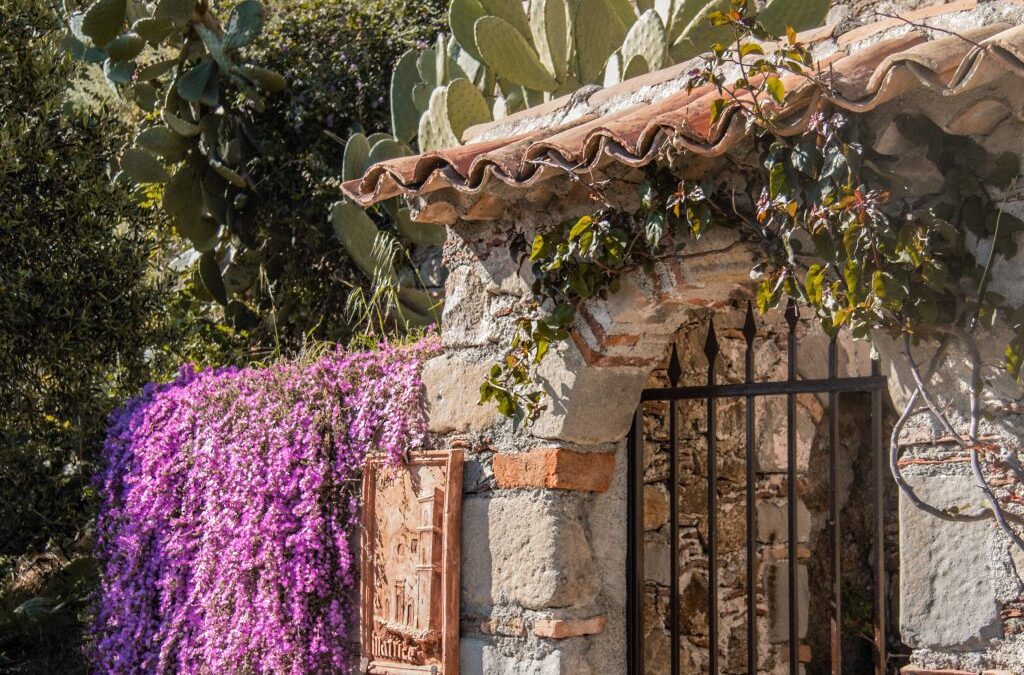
(772, 537)
(543, 586)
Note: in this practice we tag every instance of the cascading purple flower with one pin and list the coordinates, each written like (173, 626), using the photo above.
(229, 503)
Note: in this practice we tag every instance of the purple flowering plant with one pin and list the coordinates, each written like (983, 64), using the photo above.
(230, 499)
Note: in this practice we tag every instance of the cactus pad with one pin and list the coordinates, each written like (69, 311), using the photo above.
(358, 235)
(598, 31)
(506, 51)
(462, 14)
(403, 109)
(646, 39)
(549, 20)
(466, 106)
(511, 11)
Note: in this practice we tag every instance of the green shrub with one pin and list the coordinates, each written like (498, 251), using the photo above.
(337, 57)
(85, 320)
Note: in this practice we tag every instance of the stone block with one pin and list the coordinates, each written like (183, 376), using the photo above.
(657, 563)
(777, 583)
(510, 626)
(559, 629)
(555, 468)
(527, 549)
(491, 656)
(466, 316)
(452, 391)
(656, 506)
(773, 522)
(586, 404)
(947, 600)
(771, 434)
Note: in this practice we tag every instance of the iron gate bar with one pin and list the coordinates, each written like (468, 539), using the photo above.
(836, 622)
(879, 515)
(749, 333)
(635, 549)
(843, 384)
(711, 351)
(710, 392)
(675, 371)
(793, 566)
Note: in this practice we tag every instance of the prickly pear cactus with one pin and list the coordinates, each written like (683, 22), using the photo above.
(357, 233)
(354, 161)
(465, 106)
(549, 21)
(647, 39)
(507, 51)
(404, 116)
(597, 32)
(800, 14)
(462, 15)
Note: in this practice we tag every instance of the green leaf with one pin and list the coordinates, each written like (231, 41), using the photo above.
(264, 78)
(1014, 357)
(154, 30)
(887, 288)
(162, 141)
(103, 20)
(244, 24)
(194, 84)
(717, 106)
(776, 180)
(775, 88)
(125, 47)
(813, 282)
(581, 226)
(539, 246)
(209, 272)
(178, 12)
(654, 227)
(143, 167)
(768, 292)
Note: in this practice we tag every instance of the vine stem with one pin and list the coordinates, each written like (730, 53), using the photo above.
(970, 446)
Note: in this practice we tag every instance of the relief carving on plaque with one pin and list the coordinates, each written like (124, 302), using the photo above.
(409, 597)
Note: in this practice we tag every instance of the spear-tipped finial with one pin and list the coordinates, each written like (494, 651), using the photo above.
(711, 344)
(749, 326)
(675, 369)
(792, 315)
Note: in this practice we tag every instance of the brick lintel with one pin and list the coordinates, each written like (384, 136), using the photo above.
(555, 468)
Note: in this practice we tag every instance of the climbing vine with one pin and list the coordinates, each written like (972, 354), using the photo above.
(836, 228)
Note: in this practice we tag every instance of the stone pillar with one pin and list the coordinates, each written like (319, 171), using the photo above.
(544, 508)
(961, 591)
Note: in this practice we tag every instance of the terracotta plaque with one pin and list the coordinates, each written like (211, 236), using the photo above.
(410, 547)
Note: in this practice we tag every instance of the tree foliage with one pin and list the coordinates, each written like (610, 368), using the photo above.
(243, 110)
(74, 313)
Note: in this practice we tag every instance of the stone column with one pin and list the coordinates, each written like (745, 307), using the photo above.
(961, 591)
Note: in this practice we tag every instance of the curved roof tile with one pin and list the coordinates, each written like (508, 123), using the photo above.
(898, 58)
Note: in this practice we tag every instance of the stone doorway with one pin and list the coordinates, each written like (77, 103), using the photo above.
(855, 500)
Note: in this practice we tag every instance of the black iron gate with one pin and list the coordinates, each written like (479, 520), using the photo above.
(749, 390)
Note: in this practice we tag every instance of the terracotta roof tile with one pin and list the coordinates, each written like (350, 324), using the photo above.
(626, 125)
